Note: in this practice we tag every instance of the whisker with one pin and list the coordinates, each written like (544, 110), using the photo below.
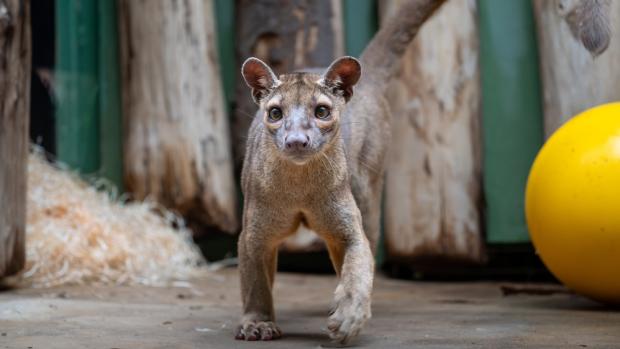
(245, 113)
(331, 164)
(371, 168)
(351, 122)
(366, 163)
(323, 162)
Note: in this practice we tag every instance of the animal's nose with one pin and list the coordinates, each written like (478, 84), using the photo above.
(296, 141)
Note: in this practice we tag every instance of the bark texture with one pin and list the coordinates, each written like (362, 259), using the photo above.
(575, 79)
(433, 183)
(15, 58)
(177, 143)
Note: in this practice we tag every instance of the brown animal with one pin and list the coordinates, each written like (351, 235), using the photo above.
(315, 156)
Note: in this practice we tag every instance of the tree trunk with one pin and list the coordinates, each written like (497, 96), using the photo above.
(287, 35)
(573, 79)
(433, 187)
(14, 115)
(177, 146)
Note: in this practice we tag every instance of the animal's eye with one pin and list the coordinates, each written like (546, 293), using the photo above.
(321, 112)
(275, 114)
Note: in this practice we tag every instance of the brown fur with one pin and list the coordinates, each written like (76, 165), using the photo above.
(336, 191)
(589, 23)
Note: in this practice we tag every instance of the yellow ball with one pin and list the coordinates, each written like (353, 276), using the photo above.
(572, 203)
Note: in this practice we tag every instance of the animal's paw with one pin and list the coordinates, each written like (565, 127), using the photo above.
(258, 331)
(350, 313)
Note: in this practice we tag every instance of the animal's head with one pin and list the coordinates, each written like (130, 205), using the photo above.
(301, 111)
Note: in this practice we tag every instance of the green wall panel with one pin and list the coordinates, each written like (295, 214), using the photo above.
(512, 113)
(76, 84)
(360, 24)
(88, 102)
(110, 117)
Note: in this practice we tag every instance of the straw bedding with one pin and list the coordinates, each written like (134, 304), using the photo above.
(76, 234)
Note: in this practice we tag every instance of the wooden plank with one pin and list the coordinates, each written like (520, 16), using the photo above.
(15, 56)
(573, 78)
(433, 184)
(512, 113)
(177, 146)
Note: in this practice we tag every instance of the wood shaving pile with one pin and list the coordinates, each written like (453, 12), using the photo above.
(78, 235)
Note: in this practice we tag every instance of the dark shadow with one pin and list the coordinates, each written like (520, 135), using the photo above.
(322, 312)
(324, 341)
(505, 262)
(306, 336)
(571, 303)
(316, 262)
(42, 119)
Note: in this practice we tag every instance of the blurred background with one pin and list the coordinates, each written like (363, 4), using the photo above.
(148, 96)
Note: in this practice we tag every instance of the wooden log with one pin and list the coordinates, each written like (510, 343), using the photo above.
(573, 78)
(433, 183)
(287, 35)
(177, 145)
(15, 59)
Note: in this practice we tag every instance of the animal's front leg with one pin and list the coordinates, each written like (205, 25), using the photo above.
(257, 260)
(352, 257)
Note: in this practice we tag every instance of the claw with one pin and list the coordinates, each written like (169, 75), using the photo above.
(254, 331)
(348, 318)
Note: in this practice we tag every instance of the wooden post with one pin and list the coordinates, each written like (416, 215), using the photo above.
(433, 183)
(14, 115)
(573, 78)
(177, 144)
(287, 35)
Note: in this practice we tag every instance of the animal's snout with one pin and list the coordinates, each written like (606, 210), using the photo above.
(296, 142)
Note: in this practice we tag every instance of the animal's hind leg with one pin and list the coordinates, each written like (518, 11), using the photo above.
(369, 203)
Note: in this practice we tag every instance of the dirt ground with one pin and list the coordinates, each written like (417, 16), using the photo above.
(203, 314)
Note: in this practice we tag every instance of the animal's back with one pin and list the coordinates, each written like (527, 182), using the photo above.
(366, 133)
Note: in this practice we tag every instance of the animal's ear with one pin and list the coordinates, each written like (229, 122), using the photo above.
(341, 75)
(259, 77)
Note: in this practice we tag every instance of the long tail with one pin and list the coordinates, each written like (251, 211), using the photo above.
(589, 22)
(381, 56)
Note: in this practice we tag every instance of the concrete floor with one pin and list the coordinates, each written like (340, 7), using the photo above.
(203, 315)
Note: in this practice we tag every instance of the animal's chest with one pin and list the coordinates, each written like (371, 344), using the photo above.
(297, 192)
